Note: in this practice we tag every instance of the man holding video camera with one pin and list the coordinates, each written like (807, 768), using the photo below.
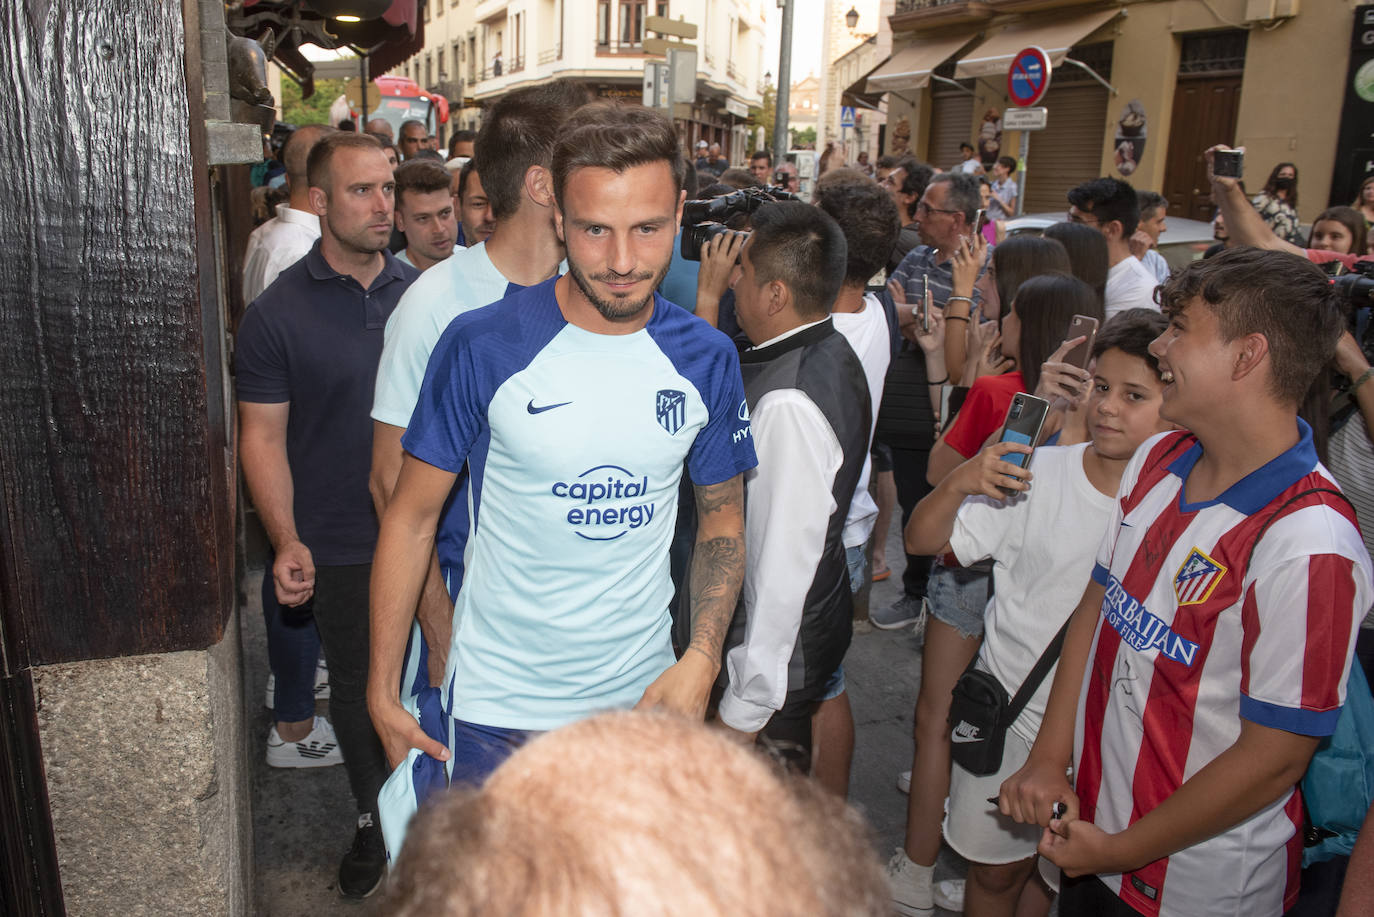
(809, 410)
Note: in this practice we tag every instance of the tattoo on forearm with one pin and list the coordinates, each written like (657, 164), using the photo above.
(714, 497)
(717, 573)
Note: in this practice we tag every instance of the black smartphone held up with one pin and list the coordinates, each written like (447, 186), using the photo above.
(1081, 326)
(925, 303)
(1229, 163)
(980, 219)
(1025, 417)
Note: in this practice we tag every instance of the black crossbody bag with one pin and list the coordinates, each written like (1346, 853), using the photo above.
(980, 711)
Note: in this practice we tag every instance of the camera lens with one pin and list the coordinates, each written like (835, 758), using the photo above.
(1015, 409)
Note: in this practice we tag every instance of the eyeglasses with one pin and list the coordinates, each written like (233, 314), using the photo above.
(923, 207)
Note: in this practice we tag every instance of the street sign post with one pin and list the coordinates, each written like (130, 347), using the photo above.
(846, 116)
(665, 26)
(1025, 119)
(1028, 77)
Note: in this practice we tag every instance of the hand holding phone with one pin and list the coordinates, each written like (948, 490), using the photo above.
(925, 303)
(1227, 163)
(1082, 326)
(1025, 418)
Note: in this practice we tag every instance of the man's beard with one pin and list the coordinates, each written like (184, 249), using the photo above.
(362, 241)
(619, 310)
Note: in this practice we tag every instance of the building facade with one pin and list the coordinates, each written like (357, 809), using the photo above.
(475, 52)
(1138, 91)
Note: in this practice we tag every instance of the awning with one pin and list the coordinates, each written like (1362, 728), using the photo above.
(857, 94)
(993, 57)
(910, 68)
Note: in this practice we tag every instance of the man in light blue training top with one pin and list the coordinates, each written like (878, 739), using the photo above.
(574, 403)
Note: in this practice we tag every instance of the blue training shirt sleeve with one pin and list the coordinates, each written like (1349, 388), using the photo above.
(449, 414)
(725, 446)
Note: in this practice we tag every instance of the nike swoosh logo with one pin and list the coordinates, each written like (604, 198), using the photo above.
(548, 407)
(959, 740)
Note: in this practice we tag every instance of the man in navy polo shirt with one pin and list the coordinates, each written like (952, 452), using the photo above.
(307, 356)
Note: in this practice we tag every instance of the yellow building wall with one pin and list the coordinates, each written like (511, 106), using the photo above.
(1290, 102)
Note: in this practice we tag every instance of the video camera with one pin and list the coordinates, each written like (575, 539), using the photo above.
(1356, 291)
(703, 220)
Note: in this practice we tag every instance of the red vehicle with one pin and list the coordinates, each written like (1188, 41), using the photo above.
(401, 99)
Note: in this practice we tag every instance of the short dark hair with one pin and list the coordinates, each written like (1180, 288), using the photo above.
(739, 178)
(1022, 257)
(1045, 306)
(384, 139)
(609, 135)
(407, 123)
(421, 176)
(1147, 201)
(1284, 297)
(868, 217)
(468, 168)
(1351, 219)
(1087, 253)
(1131, 331)
(1009, 162)
(520, 132)
(963, 193)
(689, 177)
(463, 136)
(889, 161)
(322, 155)
(803, 247)
(295, 153)
(966, 146)
(762, 154)
(1108, 199)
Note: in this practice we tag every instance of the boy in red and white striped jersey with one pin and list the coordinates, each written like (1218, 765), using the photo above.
(1209, 654)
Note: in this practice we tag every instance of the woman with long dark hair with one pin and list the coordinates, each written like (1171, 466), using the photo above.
(1278, 203)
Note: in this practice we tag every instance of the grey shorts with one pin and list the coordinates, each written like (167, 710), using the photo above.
(959, 596)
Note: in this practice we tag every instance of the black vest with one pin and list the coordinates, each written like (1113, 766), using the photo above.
(820, 363)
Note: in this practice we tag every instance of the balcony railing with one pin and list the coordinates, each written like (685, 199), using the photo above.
(910, 13)
(517, 64)
(550, 55)
(619, 47)
(911, 6)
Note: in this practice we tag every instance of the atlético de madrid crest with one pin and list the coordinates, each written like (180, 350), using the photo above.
(671, 409)
(1197, 578)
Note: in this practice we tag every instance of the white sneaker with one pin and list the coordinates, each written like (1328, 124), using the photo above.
(904, 782)
(321, 685)
(911, 886)
(318, 749)
(949, 894)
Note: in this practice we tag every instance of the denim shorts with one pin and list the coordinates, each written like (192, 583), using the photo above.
(855, 560)
(835, 686)
(959, 596)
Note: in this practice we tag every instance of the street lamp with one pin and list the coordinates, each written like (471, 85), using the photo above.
(851, 18)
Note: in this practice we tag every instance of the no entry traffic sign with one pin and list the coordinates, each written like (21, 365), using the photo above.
(1029, 76)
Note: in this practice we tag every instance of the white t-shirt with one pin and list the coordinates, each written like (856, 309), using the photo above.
(276, 245)
(867, 333)
(969, 166)
(1043, 544)
(1130, 285)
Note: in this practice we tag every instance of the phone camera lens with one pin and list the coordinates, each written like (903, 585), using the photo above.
(1015, 410)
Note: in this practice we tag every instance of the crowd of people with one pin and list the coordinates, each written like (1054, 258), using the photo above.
(523, 460)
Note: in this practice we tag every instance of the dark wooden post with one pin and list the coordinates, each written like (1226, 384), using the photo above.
(116, 515)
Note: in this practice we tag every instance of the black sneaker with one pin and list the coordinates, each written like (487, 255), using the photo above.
(362, 868)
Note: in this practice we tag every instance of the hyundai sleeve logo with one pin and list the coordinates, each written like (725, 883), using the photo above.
(548, 407)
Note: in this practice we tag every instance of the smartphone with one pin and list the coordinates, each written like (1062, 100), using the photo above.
(925, 303)
(980, 219)
(1229, 163)
(1025, 417)
(1081, 326)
